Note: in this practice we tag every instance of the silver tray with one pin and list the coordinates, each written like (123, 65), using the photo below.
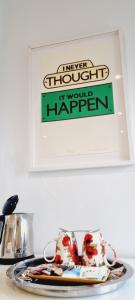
(68, 290)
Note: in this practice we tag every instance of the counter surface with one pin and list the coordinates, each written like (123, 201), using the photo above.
(8, 291)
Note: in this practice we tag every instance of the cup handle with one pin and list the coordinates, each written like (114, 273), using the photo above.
(104, 244)
(44, 253)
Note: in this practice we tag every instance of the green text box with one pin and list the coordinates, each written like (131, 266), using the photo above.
(77, 103)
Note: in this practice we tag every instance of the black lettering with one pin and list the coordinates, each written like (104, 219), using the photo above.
(90, 103)
(70, 96)
(84, 65)
(63, 108)
(57, 80)
(105, 104)
(68, 68)
(93, 74)
(76, 66)
(77, 75)
(72, 67)
(73, 104)
(82, 103)
(61, 97)
(69, 78)
(50, 80)
(102, 71)
(49, 109)
(85, 75)
(76, 95)
(90, 93)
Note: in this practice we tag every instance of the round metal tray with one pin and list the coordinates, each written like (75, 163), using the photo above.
(68, 291)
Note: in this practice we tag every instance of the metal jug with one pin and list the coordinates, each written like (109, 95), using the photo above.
(16, 237)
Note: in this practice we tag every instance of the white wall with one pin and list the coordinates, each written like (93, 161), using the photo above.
(92, 198)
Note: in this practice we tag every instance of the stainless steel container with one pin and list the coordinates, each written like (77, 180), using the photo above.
(16, 237)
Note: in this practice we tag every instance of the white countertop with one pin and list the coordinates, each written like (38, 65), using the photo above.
(8, 291)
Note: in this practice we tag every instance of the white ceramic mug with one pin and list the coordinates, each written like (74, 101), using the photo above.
(94, 250)
(66, 249)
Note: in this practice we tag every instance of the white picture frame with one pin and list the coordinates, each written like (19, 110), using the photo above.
(81, 141)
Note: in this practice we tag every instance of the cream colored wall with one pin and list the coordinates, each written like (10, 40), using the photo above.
(92, 198)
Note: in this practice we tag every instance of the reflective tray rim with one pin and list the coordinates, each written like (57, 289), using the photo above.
(68, 291)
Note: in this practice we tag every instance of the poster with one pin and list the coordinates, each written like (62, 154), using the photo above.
(78, 108)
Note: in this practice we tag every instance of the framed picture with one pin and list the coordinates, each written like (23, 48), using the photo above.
(78, 105)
